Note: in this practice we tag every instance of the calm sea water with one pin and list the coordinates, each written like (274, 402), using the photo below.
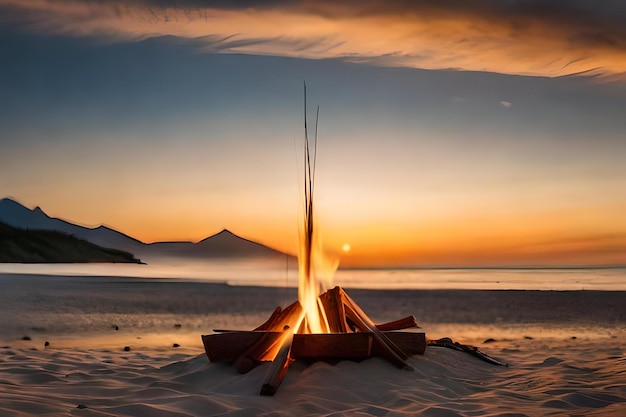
(277, 275)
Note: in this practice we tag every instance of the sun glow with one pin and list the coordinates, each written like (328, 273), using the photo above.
(346, 247)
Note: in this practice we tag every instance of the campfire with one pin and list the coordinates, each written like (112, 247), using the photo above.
(327, 326)
(349, 334)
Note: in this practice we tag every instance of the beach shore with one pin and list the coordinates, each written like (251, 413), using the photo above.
(565, 350)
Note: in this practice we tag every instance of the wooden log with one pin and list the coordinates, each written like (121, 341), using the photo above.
(381, 343)
(278, 368)
(285, 317)
(273, 317)
(401, 324)
(357, 314)
(311, 347)
(331, 346)
(267, 347)
(411, 343)
(230, 345)
(237, 330)
(333, 304)
(387, 348)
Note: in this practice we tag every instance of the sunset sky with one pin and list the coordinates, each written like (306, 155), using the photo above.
(451, 132)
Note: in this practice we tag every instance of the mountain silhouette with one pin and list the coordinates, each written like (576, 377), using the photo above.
(16, 215)
(224, 244)
(47, 246)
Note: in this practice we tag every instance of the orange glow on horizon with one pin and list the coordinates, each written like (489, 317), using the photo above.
(561, 237)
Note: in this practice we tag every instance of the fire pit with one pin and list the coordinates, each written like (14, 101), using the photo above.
(349, 334)
(328, 326)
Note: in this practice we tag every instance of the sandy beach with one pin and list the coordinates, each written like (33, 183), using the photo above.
(565, 350)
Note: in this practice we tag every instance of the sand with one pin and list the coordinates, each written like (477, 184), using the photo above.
(566, 353)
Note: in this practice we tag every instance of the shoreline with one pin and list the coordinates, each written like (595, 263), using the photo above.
(68, 305)
(247, 284)
(253, 273)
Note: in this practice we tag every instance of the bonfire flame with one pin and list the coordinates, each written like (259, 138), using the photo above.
(316, 268)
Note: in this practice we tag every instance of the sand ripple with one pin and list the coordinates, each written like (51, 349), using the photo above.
(546, 377)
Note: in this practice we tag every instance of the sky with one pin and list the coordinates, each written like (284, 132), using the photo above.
(451, 133)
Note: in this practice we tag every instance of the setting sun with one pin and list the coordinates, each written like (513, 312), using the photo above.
(346, 247)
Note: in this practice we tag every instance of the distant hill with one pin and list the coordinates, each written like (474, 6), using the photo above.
(16, 215)
(221, 245)
(224, 244)
(46, 246)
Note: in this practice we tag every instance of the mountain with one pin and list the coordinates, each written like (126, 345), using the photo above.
(46, 246)
(221, 245)
(16, 215)
(224, 244)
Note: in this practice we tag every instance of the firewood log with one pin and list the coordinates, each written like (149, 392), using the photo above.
(228, 346)
(270, 320)
(403, 323)
(331, 346)
(280, 318)
(278, 368)
(265, 349)
(268, 345)
(389, 350)
(332, 302)
(411, 343)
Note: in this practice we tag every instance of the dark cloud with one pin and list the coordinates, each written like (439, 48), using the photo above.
(612, 10)
(585, 22)
(592, 21)
(528, 37)
(212, 4)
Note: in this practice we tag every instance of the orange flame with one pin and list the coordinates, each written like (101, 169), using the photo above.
(316, 269)
(313, 281)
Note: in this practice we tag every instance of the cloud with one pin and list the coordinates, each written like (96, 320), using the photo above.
(525, 37)
(506, 104)
(609, 248)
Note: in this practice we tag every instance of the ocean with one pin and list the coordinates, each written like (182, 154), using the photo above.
(273, 274)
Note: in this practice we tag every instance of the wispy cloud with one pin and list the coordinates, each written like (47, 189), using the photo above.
(528, 37)
(608, 248)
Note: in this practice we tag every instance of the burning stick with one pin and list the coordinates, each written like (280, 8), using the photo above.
(267, 347)
(333, 301)
(393, 353)
(278, 369)
(275, 315)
